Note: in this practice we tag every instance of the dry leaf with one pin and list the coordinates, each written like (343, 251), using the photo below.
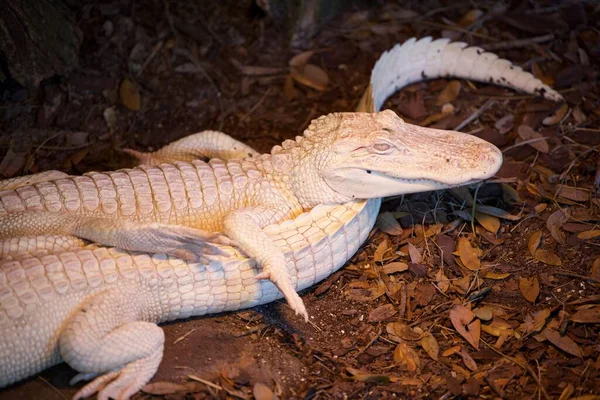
(468, 255)
(547, 257)
(380, 251)
(362, 376)
(538, 141)
(389, 224)
(498, 328)
(415, 255)
(574, 193)
(407, 356)
(555, 222)
(312, 76)
(557, 116)
(11, 164)
(465, 323)
(496, 276)
(289, 90)
(394, 267)
(301, 58)
(587, 235)
(564, 343)
(430, 345)
(402, 331)
(538, 73)
(470, 17)
(442, 281)
(164, 388)
(534, 242)
(490, 223)
(468, 360)
(589, 315)
(130, 95)
(450, 93)
(530, 288)
(382, 313)
(484, 313)
(498, 212)
(262, 392)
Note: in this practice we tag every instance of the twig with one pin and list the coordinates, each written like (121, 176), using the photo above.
(52, 387)
(369, 344)
(252, 330)
(255, 106)
(207, 383)
(517, 43)
(574, 275)
(155, 51)
(524, 143)
(179, 339)
(476, 114)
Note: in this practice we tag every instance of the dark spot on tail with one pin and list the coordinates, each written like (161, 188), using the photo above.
(479, 51)
(423, 75)
(368, 171)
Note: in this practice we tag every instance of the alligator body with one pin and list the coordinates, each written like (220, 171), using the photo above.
(79, 296)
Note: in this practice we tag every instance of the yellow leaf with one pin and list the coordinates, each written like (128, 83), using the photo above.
(547, 257)
(490, 223)
(534, 242)
(450, 92)
(587, 235)
(430, 345)
(130, 95)
(407, 356)
(530, 288)
(496, 276)
(557, 116)
(468, 254)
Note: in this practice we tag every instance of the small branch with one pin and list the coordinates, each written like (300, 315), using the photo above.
(517, 43)
(476, 114)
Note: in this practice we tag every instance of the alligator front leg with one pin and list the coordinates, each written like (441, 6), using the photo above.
(244, 228)
(105, 339)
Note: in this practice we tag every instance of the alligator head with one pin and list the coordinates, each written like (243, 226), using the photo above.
(369, 155)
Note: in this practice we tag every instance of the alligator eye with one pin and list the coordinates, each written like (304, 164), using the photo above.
(381, 147)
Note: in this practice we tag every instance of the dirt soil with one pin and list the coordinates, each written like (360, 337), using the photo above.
(436, 304)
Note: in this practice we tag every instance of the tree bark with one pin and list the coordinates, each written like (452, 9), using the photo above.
(38, 39)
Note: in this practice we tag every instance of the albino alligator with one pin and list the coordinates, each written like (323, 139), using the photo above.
(97, 309)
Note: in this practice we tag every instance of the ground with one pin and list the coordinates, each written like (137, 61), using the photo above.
(505, 306)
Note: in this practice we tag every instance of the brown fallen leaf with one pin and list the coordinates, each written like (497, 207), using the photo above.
(587, 315)
(389, 224)
(289, 90)
(538, 73)
(564, 343)
(533, 138)
(363, 376)
(484, 313)
(11, 164)
(301, 58)
(442, 281)
(496, 276)
(530, 288)
(430, 344)
(587, 235)
(406, 356)
(262, 392)
(537, 321)
(395, 267)
(468, 254)
(574, 193)
(489, 222)
(555, 222)
(414, 253)
(162, 388)
(382, 313)
(312, 76)
(449, 93)
(534, 242)
(547, 257)
(402, 331)
(498, 328)
(381, 250)
(468, 360)
(130, 95)
(466, 324)
(557, 116)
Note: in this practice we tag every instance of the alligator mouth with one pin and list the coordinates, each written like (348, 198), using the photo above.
(426, 181)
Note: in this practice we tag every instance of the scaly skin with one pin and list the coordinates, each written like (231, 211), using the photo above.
(83, 330)
(98, 309)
